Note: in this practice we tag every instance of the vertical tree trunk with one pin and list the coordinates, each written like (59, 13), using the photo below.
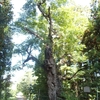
(49, 64)
(51, 74)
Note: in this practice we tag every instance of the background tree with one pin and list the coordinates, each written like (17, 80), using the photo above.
(25, 86)
(91, 39)
(6, 47)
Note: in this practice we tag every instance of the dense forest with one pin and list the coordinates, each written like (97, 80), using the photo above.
(61, 49)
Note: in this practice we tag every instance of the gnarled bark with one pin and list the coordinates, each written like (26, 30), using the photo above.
(50, 68)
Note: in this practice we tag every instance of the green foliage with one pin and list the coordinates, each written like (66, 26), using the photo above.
(40, 88)
(70, 96)
(6, 48)
(91, 41)
(25, 85)
(69, 33)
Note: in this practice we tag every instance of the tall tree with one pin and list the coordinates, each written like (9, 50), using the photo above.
(57, 31)
(6, 47)
(91, 39)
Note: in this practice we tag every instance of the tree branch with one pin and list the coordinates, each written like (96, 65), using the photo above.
(41, 10)
(50, 26)
(33, 33)
(76, 73)
(64, 78)
(31, 57)
(48, 17)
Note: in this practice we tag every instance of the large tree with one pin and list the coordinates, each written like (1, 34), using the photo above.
(56, 31)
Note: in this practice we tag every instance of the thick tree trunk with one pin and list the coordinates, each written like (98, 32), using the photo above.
(50, 67)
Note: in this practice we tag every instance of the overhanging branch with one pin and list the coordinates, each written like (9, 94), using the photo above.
(33, 33)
